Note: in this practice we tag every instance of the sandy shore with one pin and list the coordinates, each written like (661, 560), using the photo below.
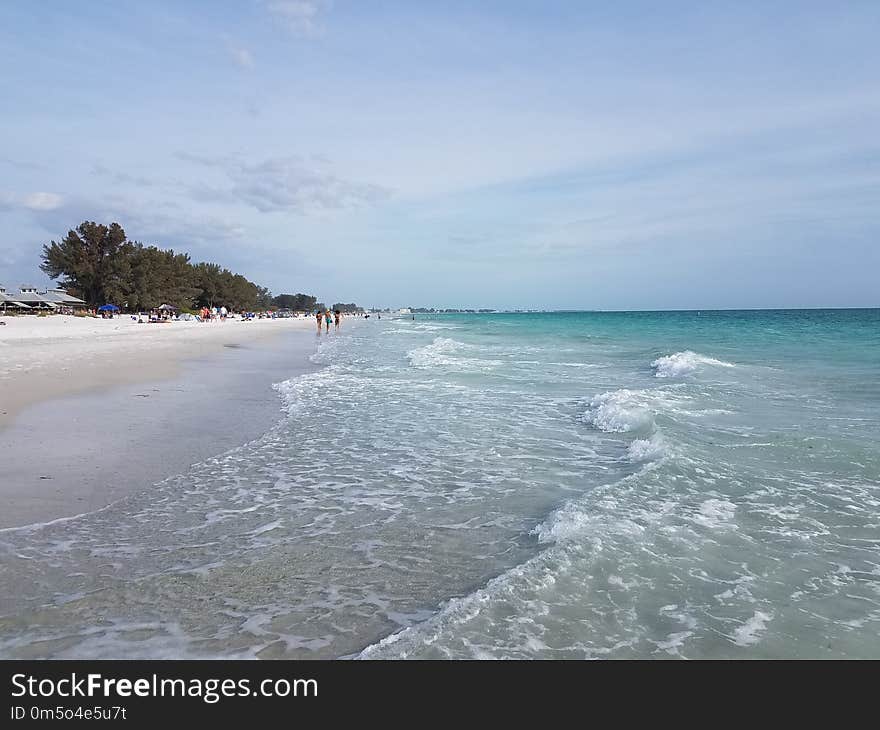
(104, 408)
(49, 357)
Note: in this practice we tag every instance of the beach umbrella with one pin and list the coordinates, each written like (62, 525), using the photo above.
(167, 308)
(108, 308)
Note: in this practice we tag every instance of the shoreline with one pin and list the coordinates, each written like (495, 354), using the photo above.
(75, 446)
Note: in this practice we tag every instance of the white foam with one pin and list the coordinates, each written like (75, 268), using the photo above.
(574, 522)
(435, 353)
(620, 411)
(578, 519)
(442, 353)
(748, 633)
(646, 449)
(684, 363)
(674, 642)
(715, 513)
(539, 573)
(434, 327)
(268, 527)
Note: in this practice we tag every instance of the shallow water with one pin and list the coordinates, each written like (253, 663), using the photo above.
(528, 485)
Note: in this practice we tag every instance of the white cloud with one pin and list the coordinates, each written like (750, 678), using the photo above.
(38, 201)
(165, 224)
(242, 56)
(300, 16)
(42, 201)
(289, 183)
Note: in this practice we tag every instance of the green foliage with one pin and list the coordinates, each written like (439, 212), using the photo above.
(94, 261)
(264, 298)
(208, 279)
(220, 287)
(296, 302)
(160, 277)
(347, 308)
(102, 266)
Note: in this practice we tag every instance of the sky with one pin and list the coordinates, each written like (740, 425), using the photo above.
(537, 155)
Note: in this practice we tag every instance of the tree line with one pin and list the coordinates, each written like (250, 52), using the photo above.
(100, 265)
(297, 302)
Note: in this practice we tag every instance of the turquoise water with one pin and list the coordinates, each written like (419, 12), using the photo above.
(573, 485)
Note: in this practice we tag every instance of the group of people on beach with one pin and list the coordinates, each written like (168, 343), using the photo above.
(326, 317)
(213, 314)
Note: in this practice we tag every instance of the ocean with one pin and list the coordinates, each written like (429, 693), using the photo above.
(545, 485)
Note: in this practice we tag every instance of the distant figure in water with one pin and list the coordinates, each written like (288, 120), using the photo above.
(319, 317)
(336, 317)
(327, 318)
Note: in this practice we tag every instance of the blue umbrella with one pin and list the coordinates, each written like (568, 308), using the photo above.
(108, 308)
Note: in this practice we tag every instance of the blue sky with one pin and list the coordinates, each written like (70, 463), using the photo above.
(624, 155)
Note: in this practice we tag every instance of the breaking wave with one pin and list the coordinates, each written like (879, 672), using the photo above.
(684, 363)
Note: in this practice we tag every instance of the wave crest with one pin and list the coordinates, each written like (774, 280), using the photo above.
(684, 363)
(646, 449)
(443, 352)
(620, 411)
(434, 354)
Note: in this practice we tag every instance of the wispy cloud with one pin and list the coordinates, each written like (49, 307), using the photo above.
(543, 147)
(122, 178)
(21, 164)
(42, 201)
(294, 184)
(199, 159)
(168, 225)
(301, 17)
(241, 56)
(708, 198)
(38, 201)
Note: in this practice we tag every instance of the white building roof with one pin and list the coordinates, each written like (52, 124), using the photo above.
(9, 301)
(59, 296)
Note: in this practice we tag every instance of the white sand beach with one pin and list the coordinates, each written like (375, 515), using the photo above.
(48, 357)
(93, 410)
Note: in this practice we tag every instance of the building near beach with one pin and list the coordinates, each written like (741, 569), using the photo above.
(8, 302)
(62, 298)
(29, 295)
(51, 299)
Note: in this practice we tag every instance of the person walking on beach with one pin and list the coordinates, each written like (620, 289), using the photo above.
(337, 315)
(327, 318)
(318, 317)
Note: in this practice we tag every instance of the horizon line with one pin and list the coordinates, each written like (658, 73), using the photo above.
(475, 310)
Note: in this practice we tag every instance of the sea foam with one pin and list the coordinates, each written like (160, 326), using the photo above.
(646, 449)
(436, 353)
(749, 632)
(445, 352)
(620, 411)
(684, 363)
